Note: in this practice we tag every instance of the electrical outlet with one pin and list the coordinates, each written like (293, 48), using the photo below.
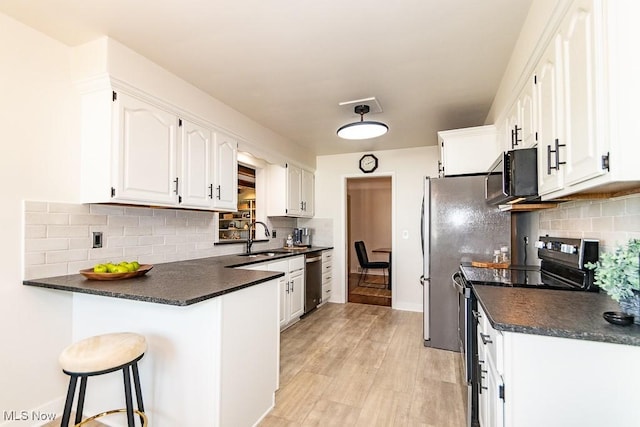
(273, 234)
(97, 239)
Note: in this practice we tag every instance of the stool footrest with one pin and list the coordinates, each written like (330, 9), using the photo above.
(142, 415)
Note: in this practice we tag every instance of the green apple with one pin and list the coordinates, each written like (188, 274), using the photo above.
(136, 265)
(111, 267)
(121, 269)
(99, 268)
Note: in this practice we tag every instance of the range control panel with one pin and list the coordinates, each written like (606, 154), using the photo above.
(565, 250)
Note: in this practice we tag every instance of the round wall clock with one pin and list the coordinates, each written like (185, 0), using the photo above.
(368, 163)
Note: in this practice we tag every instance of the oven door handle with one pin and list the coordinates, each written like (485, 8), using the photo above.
(458, 283)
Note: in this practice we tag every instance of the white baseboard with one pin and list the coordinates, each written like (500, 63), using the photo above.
(34, 417)
(407, 307)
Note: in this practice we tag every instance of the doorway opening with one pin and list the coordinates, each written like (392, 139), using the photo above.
(369, 203)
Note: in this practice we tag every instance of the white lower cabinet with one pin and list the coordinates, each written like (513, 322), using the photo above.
(327, 276)
(532, 380)
(291, 287)
(491, 388)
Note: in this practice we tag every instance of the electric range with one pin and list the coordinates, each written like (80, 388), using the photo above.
(562, 267)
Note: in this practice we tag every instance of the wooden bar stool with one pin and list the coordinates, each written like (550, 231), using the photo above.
(99, 355)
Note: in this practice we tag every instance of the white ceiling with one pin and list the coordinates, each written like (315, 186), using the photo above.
(432, 64)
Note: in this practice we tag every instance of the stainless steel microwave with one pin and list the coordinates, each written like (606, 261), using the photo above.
(513, 177)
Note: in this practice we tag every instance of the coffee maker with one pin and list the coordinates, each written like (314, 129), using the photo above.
(302, 237)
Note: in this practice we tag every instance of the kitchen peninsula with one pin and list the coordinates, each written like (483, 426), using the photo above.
(212, 331)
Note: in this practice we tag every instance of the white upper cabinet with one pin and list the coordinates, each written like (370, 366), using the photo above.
(145, 152)
(291, 191)
(294, 190)
(581, 52)
(467, 151)
(586, 94)
(225, 183)
(521, 120)
(549, 120)
(196, 166)
(137, 151)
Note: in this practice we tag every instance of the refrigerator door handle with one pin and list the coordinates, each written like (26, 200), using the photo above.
(426, 324)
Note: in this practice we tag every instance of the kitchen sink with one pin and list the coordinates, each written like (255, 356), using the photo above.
(264, 254)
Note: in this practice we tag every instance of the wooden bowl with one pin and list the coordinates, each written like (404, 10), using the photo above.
(91, 275)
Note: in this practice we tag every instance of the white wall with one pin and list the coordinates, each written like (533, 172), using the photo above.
(106, 55)
(40, 160)
(40, 117)
(407, 169)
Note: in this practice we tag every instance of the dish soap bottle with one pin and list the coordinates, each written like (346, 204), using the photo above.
(289, 241)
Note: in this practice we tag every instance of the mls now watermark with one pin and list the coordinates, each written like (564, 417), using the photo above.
(28, 416)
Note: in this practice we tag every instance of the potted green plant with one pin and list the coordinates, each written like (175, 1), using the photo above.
(618, 274)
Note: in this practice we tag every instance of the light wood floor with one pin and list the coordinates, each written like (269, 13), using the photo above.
(365, 365)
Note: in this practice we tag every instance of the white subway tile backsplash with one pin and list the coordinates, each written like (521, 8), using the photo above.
(152, 220)
(54, 257)
(109, 210)
(88, 219)
(30, 206)
(123, 221)
(122, 241)
(137, 231)
(150, 240)
(35, 231)
(136, 211)
(45, 270)
(68, 208)
(80, 243)
(34, 258)
(109, 254)
(615, 207)
(36, 245)
(68, 231)
(611, 221)
(44, 218)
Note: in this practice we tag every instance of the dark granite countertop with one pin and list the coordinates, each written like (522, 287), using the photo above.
(566, 314)
(177, 283)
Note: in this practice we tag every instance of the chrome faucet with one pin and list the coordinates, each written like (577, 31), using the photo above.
(252, 226)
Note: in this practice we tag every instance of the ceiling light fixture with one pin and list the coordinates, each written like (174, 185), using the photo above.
(362, 129)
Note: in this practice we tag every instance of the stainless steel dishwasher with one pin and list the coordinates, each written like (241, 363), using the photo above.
(312, 280)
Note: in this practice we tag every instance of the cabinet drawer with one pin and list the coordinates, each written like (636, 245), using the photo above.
(327, 256)
(326, 279)
(490, 341)
(296, 263)
(326, 292)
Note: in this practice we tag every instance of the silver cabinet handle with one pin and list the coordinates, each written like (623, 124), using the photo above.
(211, 191)
(218, 192)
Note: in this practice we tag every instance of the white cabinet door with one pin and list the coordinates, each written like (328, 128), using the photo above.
(296, 286)
(527, 115)
(283, 285)
(468, 151)
(225, 185)
(195, 151)
(580, 70)
(512, 123)
(294, 190)
(145, 152)
(521, 119)
(549, 102)
(307, 192)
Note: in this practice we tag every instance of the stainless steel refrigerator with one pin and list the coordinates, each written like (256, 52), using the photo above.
(457, 226)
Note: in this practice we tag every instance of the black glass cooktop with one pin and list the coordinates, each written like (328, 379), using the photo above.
(516, 276)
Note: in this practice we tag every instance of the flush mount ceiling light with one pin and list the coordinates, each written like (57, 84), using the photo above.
(362, 129)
